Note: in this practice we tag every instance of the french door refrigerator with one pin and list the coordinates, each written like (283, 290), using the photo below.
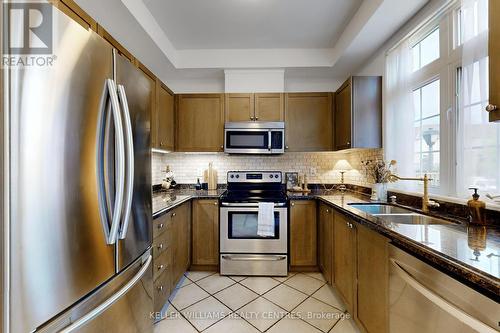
(77, 173)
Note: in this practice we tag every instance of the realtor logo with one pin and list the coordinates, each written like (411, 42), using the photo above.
(29, 28)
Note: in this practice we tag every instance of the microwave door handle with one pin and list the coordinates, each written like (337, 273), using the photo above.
(269, 140)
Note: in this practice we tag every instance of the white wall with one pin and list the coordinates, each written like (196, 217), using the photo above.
(376, 64)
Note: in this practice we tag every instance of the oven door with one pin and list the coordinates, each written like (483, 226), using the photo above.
(253, 141)
(238, 231)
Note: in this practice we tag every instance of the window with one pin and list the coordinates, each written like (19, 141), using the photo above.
(426, 50)
(479, 140)
(426, 102)
(436, 94)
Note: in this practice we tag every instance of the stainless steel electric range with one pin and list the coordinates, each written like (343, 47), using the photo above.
(242, 250)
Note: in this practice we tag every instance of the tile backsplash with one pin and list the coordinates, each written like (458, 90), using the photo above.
(187, 167)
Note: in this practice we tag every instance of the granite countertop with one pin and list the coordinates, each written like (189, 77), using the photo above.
(163, 201)
(468, 253)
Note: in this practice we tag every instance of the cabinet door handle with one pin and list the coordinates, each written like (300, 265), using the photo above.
(161, 225)
(256, 118)
(160, 246)
(328, 211)
(216, 203)
(251, 118)
(174, 214)
(286, 147)
(160, 288)
(292, 204)
(160, 267)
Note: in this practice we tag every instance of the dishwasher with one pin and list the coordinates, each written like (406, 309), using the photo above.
(423, 299)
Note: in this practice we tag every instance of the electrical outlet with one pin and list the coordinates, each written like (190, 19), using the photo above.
(312, 171)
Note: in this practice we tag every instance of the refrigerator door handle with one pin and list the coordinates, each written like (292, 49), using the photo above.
(110, 232)
(110, 301)
(119, 164)
(130, 160)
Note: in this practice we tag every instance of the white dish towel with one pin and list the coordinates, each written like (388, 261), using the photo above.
(265, 219)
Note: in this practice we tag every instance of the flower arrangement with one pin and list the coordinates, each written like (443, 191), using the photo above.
(379, 171)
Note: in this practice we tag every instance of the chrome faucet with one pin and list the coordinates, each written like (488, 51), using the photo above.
(426, 202)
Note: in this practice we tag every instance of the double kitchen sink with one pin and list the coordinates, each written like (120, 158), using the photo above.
(396, 214)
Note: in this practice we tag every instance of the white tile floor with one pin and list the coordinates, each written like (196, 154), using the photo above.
(208, 302)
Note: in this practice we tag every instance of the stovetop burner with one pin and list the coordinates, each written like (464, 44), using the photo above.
(254, 187)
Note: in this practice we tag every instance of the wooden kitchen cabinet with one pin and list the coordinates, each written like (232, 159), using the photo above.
(163, 119)
(205, 238)
(171, 246)
(303, 235)
(199, 122)
(269, 107)
(309, 122)
(494, 59)
(373, 281)
(239, 107)
(254, 107)
(344, 267)
(181, 240)
(358, 113)
(325, 245)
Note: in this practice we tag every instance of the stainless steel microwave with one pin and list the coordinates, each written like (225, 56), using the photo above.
(254, 137)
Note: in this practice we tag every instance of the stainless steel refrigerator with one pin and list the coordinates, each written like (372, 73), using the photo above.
(77, 188)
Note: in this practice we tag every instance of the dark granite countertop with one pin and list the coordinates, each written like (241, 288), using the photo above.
(469, 254)
(163, 201)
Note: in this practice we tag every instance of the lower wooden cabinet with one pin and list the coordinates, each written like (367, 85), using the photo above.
(325, 244)
(205, 236)
(303, 235)
(344, 268)
(181, 241)
(373, 281)
(171, 244)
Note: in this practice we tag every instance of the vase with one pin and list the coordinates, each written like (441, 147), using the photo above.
(381, 191)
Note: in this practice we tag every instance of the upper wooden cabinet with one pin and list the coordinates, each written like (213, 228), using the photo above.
(358, 113)
(200, 122)
(303, 234)
(325, 246)
(205, 233)
(239, 107)
(494, 59)
(163, 118)
(254, 107)
(309, 122)
(269, 107)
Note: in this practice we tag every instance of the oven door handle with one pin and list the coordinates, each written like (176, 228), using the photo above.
(252, 258)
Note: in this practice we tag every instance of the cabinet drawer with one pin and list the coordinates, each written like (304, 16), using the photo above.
(161, 244)
(162, 263)
(162, 290)
(162, 223)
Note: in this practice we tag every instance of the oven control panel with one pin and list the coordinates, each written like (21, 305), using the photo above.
(254, 177)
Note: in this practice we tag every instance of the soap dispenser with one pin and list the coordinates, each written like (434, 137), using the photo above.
(476, 209)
